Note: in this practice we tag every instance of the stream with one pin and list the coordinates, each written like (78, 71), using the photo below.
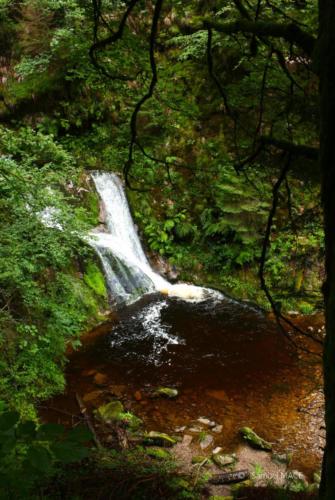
(229, 363)
(227, 359)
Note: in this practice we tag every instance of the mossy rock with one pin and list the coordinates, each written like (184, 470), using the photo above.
(154, 438)
(243, 484)
(113, 412)
(282, 458)
(296, 481)
(165, 392)
(317, 477)
(222, 460)
(110, 412)
(254, 440)
(158, 453)
(220, 497)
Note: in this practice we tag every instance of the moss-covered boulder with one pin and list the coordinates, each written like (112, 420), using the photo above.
(158, 453)
(154, 438)
(113, 412)
(254, 440)
(165, 392)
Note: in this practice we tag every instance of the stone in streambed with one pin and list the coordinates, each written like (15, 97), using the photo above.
(282, 458)
(206, 441)
(91, 396)
(113, 412)
(254, 440)
(165, 392)
(217, 429)
(138, 395)
(154, 438)
(206, 421)
(222, 460)
(100, 379)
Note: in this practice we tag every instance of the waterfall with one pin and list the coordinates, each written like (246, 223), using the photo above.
(127, 270)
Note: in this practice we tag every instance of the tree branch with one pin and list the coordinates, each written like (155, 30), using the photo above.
(148, 95)
(309, 152)
(287, 31)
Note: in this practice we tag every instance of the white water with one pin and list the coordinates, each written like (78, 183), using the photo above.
(128, 272)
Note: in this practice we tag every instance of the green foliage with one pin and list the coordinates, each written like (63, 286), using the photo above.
(95, 279)
(43, 303)
(30, 454)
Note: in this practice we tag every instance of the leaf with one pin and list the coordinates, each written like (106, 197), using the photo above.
(39, 457)
(69, 452)
(50, 432)
(79, 434)
(8, 420)
(26, 429)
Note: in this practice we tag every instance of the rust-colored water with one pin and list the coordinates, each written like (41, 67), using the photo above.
(228, 361)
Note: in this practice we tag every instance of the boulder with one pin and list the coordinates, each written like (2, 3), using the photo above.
(254, 440)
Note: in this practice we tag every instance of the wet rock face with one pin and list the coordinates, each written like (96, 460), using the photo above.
(254, 440)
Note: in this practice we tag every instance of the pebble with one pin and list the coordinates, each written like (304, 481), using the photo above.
(217, 450)
(180, 429)
(218, 429)
(206, 442)
(206, 421)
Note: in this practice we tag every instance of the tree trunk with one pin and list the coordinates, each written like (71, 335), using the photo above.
(325, 60)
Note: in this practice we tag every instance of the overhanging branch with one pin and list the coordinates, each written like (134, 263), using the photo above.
(290, 32)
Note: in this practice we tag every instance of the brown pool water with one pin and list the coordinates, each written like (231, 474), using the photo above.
(227, 360)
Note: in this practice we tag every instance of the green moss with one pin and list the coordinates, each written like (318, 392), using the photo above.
(114, 412)
(166, 392)
(94, 278)
(254, 440)
(158, 453)
(159, 439)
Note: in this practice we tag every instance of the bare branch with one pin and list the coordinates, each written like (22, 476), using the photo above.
(148, 95)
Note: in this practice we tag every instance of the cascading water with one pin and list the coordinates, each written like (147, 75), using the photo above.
(128, 272)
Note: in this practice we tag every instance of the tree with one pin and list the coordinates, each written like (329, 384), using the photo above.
(325, 61)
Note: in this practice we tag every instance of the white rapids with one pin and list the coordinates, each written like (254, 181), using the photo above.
(127, 270)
